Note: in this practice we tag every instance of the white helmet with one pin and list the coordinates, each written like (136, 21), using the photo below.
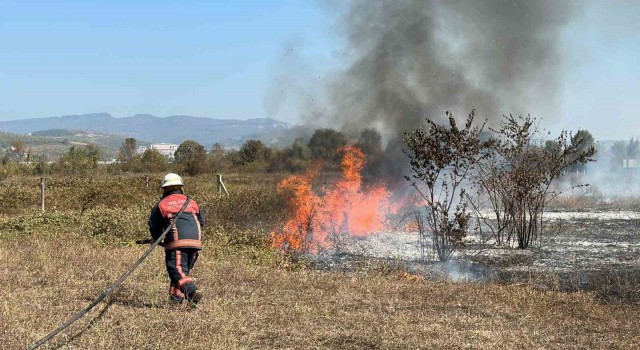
(171, 179)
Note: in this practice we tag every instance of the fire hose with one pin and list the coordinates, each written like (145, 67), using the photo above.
(114, 286)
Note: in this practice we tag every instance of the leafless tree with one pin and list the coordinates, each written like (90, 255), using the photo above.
(442, 159)
(517, 177)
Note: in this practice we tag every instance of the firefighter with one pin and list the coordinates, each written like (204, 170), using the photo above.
(183, 243)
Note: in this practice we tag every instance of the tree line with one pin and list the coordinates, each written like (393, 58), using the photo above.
(192, 158)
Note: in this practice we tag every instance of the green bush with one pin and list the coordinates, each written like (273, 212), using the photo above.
(17, 195)
(36, 222)
(112, 223)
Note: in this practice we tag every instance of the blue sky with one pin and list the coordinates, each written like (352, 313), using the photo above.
(206, 58)
(224, 59)
(602, 80)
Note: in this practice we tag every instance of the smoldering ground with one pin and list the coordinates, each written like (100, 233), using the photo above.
(588, 251)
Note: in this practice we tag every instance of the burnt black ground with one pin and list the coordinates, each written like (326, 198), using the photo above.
(596, 255)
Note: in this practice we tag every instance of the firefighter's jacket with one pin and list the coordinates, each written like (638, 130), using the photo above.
(187, 232)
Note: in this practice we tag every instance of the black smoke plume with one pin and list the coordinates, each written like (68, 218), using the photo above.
(411, 59)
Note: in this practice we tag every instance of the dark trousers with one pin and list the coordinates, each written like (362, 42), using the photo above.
(179, 263)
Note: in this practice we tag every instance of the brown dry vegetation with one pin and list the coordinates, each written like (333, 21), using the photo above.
(579, 202)
(55, 263)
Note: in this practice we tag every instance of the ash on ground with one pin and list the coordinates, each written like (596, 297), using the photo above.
(588, 251)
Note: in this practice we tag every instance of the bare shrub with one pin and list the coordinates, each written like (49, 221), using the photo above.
(442, 159)
(517, 177)
(513, 170)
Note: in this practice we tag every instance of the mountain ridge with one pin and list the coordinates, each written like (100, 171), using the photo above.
(170, 129)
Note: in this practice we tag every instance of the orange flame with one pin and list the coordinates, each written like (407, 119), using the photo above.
(346, 209)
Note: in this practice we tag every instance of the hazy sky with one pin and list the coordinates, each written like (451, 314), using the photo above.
(602, 80)
(230, 59)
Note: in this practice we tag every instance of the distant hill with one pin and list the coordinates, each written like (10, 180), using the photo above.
(55, 142)
(54, 133)
(173, 129)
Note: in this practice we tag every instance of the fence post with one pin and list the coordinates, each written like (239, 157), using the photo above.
(42, 193)
(221, 186)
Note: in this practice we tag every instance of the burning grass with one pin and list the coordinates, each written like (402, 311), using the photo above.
(260, 306)
(343, 208)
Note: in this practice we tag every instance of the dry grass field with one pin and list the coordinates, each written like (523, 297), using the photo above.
(55, 264)
(249, 305)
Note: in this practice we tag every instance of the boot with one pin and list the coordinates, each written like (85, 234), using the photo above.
(194, 297)
(175, 299)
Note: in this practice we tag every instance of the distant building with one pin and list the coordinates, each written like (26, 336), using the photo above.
(141, 149)
(109, 161)
(631, 163)
(166, 149)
